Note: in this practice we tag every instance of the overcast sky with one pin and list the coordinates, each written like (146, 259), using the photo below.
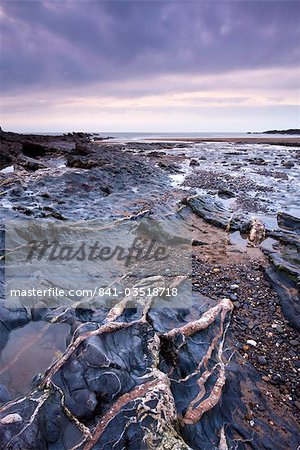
(150, 65)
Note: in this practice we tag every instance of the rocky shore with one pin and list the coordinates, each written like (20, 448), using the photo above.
(222, 373)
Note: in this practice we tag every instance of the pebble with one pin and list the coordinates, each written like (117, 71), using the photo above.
(11, 418)
(262, 360)
(194, 162)
(265, 378)
(233, 297)
(252, 342)
(277, 378)
(260, 408)
(237, 304)
(294, 342)
(234, 286)
(297, 404)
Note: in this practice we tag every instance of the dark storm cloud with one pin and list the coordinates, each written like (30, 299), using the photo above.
(47, 44)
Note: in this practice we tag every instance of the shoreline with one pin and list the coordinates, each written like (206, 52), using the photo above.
(245, 140)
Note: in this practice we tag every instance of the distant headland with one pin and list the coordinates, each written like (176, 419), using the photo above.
(289, 131)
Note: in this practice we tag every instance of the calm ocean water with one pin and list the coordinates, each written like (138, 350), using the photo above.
(147, 135)
(140, 135)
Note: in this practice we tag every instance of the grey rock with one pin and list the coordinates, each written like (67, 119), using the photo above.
(5, 396)
(262, 360)
(215, 213)
(82, 403)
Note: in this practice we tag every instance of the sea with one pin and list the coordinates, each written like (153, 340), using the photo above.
(142, 135)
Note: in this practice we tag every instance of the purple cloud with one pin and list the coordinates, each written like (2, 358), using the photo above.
(47, 44)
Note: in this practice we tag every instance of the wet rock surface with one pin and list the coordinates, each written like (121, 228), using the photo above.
(217, 214)
(222, 373)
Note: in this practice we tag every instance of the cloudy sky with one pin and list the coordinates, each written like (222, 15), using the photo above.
(149, 65)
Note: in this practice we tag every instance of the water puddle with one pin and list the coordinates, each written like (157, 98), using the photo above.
(57, 163)
(29, 351)
(270, 221)
(268, 245)
(177, 179)
(239, 240)
(6, 170)
(6, 204)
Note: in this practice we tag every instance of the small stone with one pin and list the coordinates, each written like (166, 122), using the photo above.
(277, 378)
(194, 162)
(234, 286)
(280, 329)
(216, 270)
(237, 304)
(11, 418)
(294, 342)
(252, 342)
(260, 408)
(265, 378)
(297, 404)
(245, 348)
(262, 360)
(233, 297)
